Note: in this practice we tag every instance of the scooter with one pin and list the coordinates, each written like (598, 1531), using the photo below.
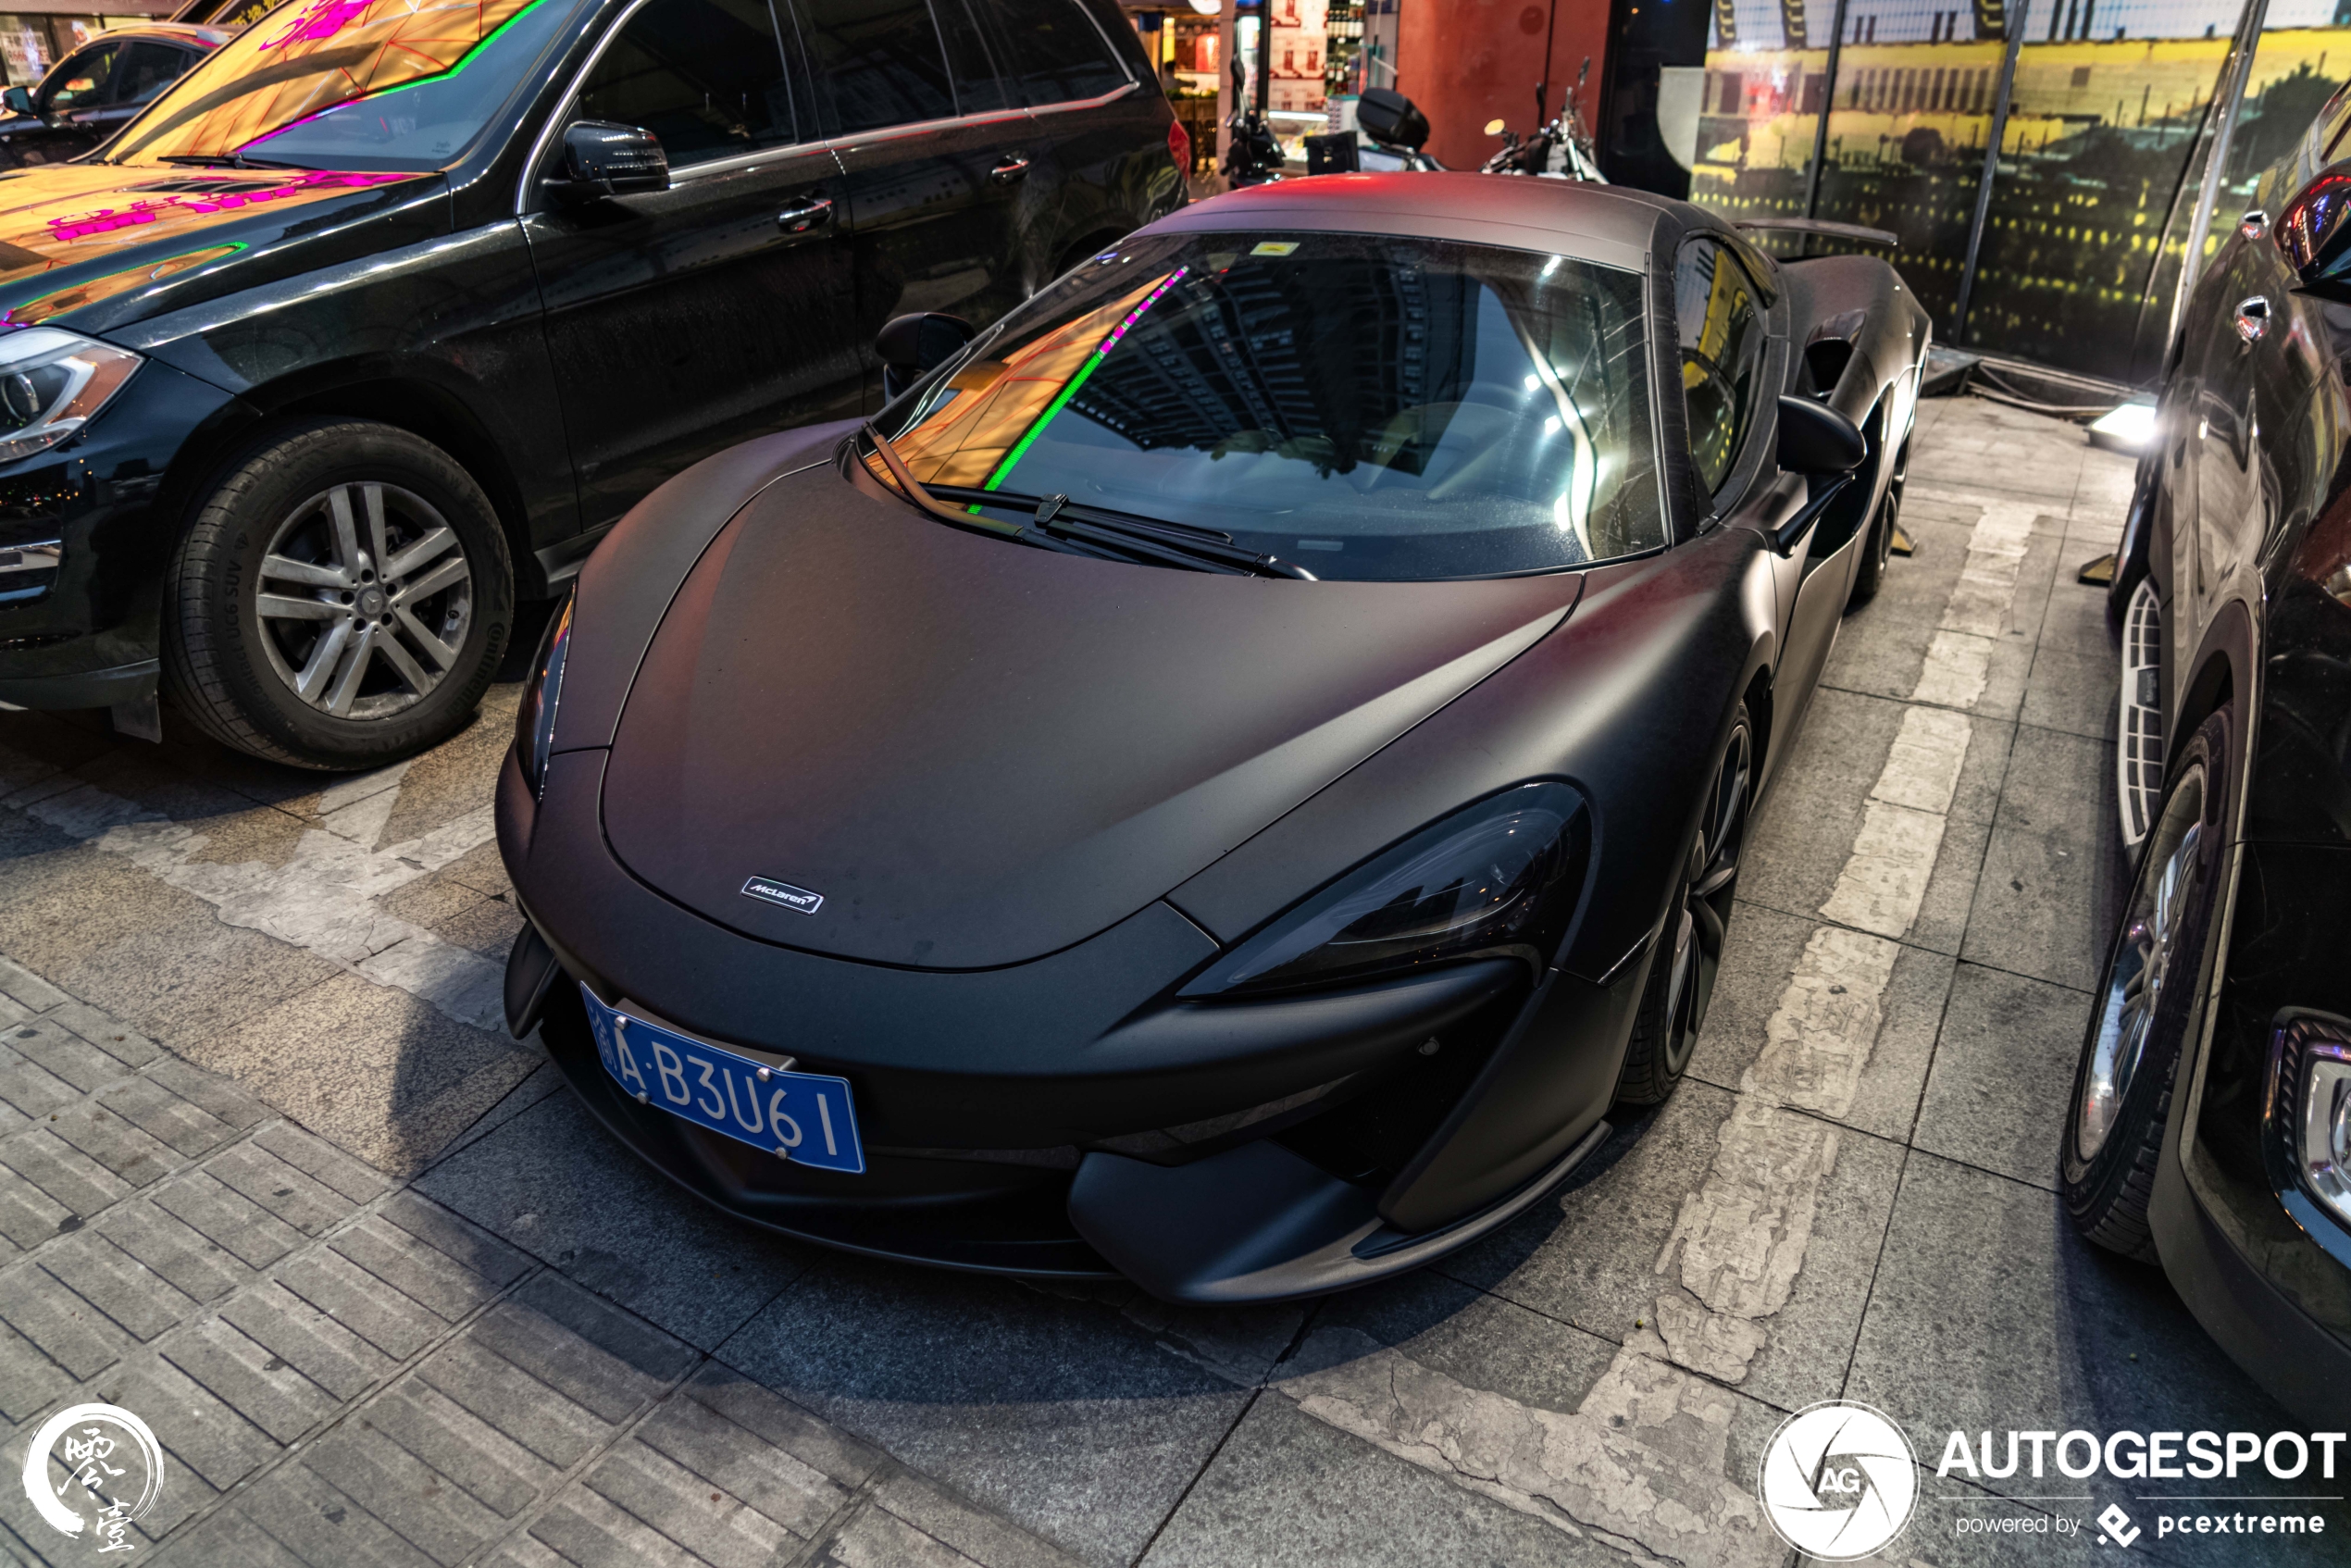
(1559, 150)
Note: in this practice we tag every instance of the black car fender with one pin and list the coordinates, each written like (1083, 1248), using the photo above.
(1629, 700)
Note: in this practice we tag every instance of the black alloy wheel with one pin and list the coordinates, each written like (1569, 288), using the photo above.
(1690, 950)
(2148, 1005)
(341, 600)
(1879, 546)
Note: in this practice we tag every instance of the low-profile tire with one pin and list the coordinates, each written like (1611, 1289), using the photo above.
(2148, 1004)
(341, 599)
(1879, 546)
(1689, 951)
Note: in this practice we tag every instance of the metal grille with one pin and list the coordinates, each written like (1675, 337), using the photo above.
(2138, 752)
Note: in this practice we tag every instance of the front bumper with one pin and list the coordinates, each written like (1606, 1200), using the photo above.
(85, 631)
(1066, 1118)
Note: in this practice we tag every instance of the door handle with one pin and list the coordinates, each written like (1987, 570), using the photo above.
(2253, 317)
(2254, 224)
(1013, 167)
(800, 217)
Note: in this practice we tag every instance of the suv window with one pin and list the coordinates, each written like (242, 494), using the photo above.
(1721, 332)
(705, 76)
(882, 59)
(81, 81)
(984, 81)
(147, 68)
(1058, 52)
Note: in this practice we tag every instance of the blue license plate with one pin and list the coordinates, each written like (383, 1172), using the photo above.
(804, 1116)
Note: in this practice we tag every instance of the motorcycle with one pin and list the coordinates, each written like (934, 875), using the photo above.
(1561, 149)
(1254, 157)
(1389, 134)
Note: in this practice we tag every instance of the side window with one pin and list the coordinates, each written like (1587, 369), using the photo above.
(1722, 333)
(881, 58)
(147, 68)
(1057, 51)
(81, 81)
(984, 81)
(705, 76)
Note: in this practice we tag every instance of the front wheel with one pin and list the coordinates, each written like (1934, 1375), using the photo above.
(1690, 952)
(341, 600)
(2122, 1088)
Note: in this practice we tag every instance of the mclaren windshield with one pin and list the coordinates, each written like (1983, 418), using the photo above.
(1364, 407)
(359, 85)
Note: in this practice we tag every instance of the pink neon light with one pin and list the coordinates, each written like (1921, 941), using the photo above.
(1136, 314)
(107, 221)
(320, 19)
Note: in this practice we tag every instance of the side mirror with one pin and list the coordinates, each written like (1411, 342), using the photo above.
(17, 101)
(603, 157)
(911, 344)
(1816, 440)
(2312, 236)
(1388, 116)
(1494, 127)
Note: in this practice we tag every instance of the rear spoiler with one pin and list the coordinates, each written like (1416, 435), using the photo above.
(1826, 229)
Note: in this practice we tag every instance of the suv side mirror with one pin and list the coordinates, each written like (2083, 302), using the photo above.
(17, 101)
(911, 344)
(1817, 440)
(603, 157)
(1388, 118)
(2312, 236)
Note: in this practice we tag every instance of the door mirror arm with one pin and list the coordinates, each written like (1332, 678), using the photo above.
(603, 159)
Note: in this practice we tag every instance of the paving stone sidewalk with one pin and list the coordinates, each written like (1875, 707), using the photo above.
(343, 1371)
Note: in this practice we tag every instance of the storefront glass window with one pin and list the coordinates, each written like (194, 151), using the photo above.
(1766, 83)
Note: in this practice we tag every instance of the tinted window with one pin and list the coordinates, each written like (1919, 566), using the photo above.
(983, 83)
(1370, 407)
(1722, 356)
(148, 69)
(883, 60)
(358, 86)
(1057, 51)
(81, 81)
(705, 76)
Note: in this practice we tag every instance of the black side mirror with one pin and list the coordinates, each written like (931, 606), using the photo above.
(2314, 239)
(17, 101)
(1388, 116)
(603, 157)
(912, 345)
(1815, 440)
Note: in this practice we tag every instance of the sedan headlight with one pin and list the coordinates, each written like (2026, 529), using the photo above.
(51, 384)
(2310, 1106)
(535, 720)
(1497, 878)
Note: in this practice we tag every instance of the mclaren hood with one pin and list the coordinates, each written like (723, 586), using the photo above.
(866, 733)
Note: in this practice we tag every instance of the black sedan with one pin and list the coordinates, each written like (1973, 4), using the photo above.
(2210, 1125)
(1233, 771)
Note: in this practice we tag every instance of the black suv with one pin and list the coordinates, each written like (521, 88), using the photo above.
(381, 315)
(85, 98)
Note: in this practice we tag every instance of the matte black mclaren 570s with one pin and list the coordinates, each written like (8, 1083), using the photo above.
(1233, 772)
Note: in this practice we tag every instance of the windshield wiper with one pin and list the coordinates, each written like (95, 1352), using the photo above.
(920, 495)
(1151, 538)
(224, 160)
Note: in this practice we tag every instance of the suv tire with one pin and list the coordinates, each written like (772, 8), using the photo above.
(341, 600)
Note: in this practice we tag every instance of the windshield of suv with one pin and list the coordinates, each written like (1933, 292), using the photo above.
(351, 84)
(1366, 406)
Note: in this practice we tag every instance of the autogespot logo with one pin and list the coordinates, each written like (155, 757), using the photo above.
(1838, 1480)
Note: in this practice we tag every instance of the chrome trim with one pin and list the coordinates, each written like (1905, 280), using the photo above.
(834, 144)
(45, 555)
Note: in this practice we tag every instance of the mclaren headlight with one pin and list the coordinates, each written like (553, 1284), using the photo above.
(51, 384)
(535, 720)
(1495, 879)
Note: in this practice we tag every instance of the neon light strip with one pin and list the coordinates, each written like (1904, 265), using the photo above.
(463, 61)
(1063, 397)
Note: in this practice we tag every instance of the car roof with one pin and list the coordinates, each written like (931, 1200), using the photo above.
(1602, 223)
(178, 33)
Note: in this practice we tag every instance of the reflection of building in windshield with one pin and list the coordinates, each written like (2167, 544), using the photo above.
(1320, 363)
